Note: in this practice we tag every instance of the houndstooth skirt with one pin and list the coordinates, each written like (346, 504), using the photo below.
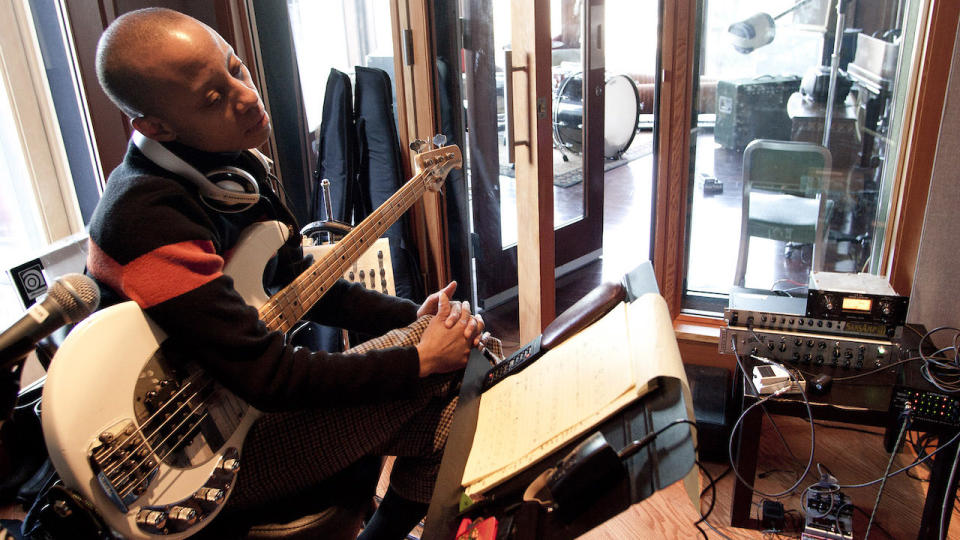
(287, 453)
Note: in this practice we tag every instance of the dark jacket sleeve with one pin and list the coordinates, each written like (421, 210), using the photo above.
(213, 325)
(354, 307)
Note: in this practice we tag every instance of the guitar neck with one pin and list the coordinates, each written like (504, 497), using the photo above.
(288, 306)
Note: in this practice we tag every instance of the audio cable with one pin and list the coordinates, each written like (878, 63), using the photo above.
(759, 402)
(948, 495)
(942, 367)
(906, 415)
(773, 423)
(905, 468)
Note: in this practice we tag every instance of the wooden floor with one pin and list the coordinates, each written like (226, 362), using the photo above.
(853, 457)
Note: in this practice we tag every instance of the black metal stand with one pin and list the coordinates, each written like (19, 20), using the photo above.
(9, 387)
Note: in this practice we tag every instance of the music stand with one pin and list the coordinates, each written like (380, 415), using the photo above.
(665, 461)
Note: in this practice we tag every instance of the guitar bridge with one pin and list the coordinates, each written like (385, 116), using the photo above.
(123, 463)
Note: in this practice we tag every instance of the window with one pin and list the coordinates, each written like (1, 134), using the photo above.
(37, 201)
(754, 221)
(338, 35)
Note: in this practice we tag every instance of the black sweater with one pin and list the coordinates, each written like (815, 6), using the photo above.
(153, 241)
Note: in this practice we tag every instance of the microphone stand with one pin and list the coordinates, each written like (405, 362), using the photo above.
(10, 387)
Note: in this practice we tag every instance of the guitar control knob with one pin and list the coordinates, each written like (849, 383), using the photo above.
(183, 515)
(209, 495)
(155, 519)
(229, 465)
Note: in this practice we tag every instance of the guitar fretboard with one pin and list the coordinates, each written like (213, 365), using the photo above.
(288, 306)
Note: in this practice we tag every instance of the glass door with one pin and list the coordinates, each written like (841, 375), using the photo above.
(577, 75)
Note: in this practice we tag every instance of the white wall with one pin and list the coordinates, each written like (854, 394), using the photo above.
(935, 300)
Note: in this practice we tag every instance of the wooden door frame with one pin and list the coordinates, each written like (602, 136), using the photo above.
(673, 149)
(533, 140)
(418, 117)
(903, 241)
(699, 335)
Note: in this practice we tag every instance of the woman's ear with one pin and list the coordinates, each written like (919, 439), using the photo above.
(153, 128)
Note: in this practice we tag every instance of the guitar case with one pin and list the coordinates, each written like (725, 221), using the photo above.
(337, 159)
(380, 171)
(336, 162)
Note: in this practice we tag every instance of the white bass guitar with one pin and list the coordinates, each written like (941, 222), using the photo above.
(156, 447)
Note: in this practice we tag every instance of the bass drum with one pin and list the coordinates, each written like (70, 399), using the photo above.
(621, 115)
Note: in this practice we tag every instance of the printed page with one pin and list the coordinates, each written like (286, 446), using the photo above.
(530, 414)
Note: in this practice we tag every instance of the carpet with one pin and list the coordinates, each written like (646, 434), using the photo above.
(570, 172)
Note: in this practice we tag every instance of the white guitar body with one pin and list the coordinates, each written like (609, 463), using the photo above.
(153, 445)
(116, 338)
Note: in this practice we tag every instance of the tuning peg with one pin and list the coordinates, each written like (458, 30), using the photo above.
(418, 145)
(439, 140)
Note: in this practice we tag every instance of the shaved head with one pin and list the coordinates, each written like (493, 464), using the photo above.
(179, 80)
(121, 51)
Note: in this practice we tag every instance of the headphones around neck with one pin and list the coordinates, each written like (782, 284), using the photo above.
(226, 189)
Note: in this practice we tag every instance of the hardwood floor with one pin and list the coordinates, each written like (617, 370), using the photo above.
(853, 457)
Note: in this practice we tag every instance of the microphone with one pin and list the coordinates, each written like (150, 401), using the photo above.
(70, 299)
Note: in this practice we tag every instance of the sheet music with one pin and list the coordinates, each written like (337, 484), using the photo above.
(570, 389)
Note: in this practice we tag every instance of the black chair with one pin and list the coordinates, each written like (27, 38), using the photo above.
(334, 510)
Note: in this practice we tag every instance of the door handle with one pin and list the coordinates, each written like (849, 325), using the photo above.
(508, 104)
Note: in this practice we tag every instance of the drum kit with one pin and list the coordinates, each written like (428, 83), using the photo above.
(621, 115)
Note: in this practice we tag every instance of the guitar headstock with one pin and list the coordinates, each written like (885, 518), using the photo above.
(434, 165)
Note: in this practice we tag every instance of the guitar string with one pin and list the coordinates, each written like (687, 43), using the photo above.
(350, 249)
(147, 439)
(277, 313)
(269, 314)
(156, 444)
(126, 491)
(401, 205)
(190, 380)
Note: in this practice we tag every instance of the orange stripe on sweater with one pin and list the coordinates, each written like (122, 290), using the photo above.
(162, 274)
